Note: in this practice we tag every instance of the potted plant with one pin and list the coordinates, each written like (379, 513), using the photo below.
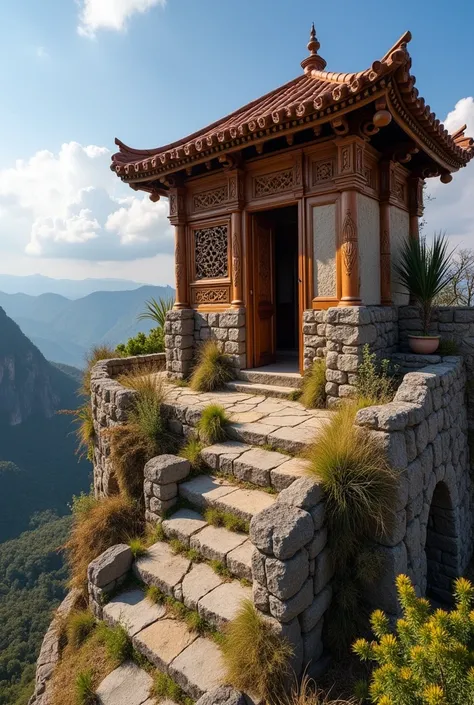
(424, 270)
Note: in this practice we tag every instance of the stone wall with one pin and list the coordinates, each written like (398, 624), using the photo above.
(451, 323)
(160, 487)
(314, 336)
(179, 342)
(292, 570)
(111, 403)
(348, 330)
(424, 430)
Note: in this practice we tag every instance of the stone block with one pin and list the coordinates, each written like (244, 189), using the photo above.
(318, 515)
(160, 506)
(232, 320)
(315, 611)
(260, 597)
(304, 493)
(183, 524)
(318, 543)
(285, 578)
(221, 605)
(126, 685)
(223, 695)
(285, 611)
(397, 530)
(110, 565)
(198, 668)
(132, 610)
(313, 644)
(165, 492)
(200, 580)
(164, 469)
(162, 641)
(323, 570)
(281, 530)
(383, 594)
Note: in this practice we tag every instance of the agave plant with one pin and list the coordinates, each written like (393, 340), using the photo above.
(424, 270)
(157, 310)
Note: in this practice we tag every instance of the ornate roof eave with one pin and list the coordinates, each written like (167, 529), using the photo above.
(332, 95)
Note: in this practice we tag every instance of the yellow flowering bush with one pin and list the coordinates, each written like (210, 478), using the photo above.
(429, 660)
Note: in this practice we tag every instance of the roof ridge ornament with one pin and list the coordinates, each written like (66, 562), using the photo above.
(313, 61)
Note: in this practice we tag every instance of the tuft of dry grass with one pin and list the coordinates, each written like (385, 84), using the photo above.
(212, 424)
(191, 451)
(95, 354)
(256, 659)
(308, 693)
(313, 391)
(213, 369)
(109, 521)
(85, 432)
(78, 627)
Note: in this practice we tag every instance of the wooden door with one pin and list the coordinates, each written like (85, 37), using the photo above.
(263, 291)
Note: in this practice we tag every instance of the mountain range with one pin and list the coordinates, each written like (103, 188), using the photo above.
(64, 329)
(37, 284)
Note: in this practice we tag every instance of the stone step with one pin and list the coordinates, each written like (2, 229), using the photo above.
(127, 685)
(208, 491)
(266, 390)
(197, 585)
(232, 549)
(258, 466)
(280, 379)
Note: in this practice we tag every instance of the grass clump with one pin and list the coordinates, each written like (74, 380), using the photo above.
(232, 522)
(116, 641)
(153, 534)
(95, 355)
(80, 625)
(221, 569)
(179, 547)
(165, 688)
(143, 436)
(212, 424)
(213, 369)
(154, 594)
(85, 694)
(308, 693)
(138, 547)
(376, 382)
(85, 432)
(256, 659)
(105, 523)
(191, 452)
(429, 659)
(313, 391)
(360, 490)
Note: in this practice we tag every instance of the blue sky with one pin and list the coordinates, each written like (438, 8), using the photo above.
(80, 72)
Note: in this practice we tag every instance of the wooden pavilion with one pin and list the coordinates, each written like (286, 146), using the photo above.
(301, 198)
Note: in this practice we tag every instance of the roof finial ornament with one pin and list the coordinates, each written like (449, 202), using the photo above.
(313, 61)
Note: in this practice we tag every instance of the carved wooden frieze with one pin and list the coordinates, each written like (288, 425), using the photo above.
(211, 252)
(276, 182)
(210, 199)
(211, 295)
(322, 171)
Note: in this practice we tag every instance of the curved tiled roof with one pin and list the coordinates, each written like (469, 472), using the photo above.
(316, 95)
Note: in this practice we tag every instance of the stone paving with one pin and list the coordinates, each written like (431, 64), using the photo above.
(126, 685)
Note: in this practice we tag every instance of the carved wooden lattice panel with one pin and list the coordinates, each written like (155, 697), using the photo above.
(217, 295)
(323, 171)
(273, 183)
(210, 199)
(211, 252)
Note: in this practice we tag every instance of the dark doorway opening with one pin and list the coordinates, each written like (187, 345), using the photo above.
(274, 287)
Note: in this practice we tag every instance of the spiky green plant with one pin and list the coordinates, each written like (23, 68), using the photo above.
(429, 660)
(425, 271)
(213, 369)
(256, 658)
(157, 310)
(212, 424)
(85, 694)
(85, 431)
(313, 391)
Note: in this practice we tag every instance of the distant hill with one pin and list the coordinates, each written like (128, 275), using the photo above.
(64, 329)
(38, 467)
(37, 284)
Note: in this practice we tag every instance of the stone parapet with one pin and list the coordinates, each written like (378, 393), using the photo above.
(160, 487)
(424, 432)
(292, 569)
(348, 330)
(227, 328)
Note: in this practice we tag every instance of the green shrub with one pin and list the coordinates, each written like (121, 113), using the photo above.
(212, 424)
(143, 344)
(313, 391)
(85, 694)
(79, 626)
(447, 347)
(214, 368)
(360, 491)
(256, 658)
(116, 642)
(192, 452)
(430, 658)
(375, 381)
(83, 503)
(137, 547)
(165, 688)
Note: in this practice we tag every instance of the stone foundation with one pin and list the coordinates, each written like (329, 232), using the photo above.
(228, 328)
(314, 336)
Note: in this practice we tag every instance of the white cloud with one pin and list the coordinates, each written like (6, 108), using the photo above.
(42, 53)
(70, 205)
(110, 14)
(452, 207)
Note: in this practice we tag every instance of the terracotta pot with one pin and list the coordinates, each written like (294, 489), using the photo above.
(423, 344)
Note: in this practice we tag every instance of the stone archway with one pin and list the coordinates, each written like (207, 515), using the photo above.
(442, 546)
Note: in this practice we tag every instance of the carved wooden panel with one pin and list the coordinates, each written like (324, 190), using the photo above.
(211, 252)
(399, 190)
(349, 243)
(322, 171)
(268, 184)
(213, 295)
(211, 198)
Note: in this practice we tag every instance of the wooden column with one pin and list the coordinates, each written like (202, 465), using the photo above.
(349, 249)
(236, 203)
(415, 202)
(178, 219)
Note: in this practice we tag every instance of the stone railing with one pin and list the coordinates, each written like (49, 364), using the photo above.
(292, 570)
(424, 430)
(111, 402)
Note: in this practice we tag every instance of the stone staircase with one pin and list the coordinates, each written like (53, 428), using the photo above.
(279, 385)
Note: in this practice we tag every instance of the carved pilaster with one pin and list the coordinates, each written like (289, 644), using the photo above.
(350, 162)
(236, 203)
(349, 251)
(177, 217)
